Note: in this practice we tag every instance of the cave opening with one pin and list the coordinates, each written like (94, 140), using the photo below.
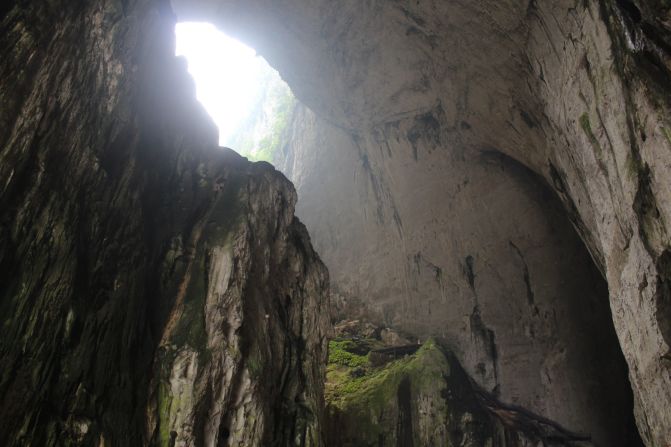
(253, 108)
(159, 289)
(245, 97)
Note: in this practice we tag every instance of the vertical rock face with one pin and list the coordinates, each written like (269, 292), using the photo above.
(417, 95)
(496, 272)
(154, 289)
(240, 361)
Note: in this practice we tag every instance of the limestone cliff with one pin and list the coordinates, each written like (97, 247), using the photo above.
(154, 288)
(422, 110)
(496, 271)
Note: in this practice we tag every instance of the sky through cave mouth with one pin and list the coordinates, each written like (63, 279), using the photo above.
(246, 98)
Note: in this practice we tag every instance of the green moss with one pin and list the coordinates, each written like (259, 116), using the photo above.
(190, 328)
(587, 129)
(227, 212)
(223, 219)
(633, 165)
(164, 405)
(586, 126)
(377, 385)
(174, 403)
(189, 331)
(340, 353)
(667, 133)
(254, 365)
(366, 403)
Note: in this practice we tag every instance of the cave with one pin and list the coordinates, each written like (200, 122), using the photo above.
(456, 233)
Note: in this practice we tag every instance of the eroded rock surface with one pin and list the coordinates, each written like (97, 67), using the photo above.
(496, 272)
(241, 357)
(414, 96)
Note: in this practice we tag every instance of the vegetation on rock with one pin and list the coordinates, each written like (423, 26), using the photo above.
(352, 383)
(262, 135)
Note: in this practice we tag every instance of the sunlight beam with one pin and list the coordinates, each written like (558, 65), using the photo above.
(228, 74)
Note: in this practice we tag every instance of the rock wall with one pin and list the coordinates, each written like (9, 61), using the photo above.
(415, 96)
(496, 271)
(154, 289)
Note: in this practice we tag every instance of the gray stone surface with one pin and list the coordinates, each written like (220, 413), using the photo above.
(473, 249)
(154, 289)
(578, 92)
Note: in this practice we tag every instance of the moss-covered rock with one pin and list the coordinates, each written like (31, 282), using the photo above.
(402, 401)
(423, 399)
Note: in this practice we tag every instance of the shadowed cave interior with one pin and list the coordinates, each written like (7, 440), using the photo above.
(449, 229)
(590, 311)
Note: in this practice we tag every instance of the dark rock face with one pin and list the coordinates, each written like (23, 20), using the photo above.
(154, 289)
(241, 357)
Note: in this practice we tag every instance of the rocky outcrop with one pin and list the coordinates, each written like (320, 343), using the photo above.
(517, 299)
(419, 103)
(241, 357)
(154, 288)
(424, 398)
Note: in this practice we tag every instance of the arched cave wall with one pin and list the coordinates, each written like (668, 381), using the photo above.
(469, 247)
(157, 290)
(576, 91)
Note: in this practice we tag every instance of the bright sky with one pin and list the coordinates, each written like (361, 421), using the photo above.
(227, 74)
